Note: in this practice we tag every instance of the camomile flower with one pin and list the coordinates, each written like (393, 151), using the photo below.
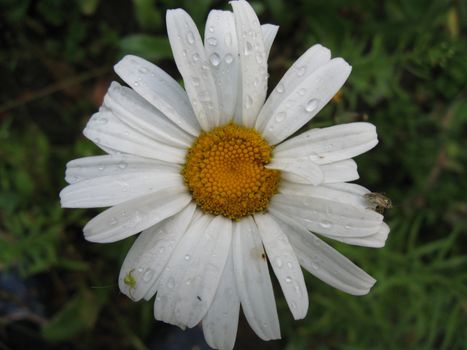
(216, 184)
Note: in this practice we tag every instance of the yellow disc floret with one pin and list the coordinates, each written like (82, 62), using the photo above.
(225, 172)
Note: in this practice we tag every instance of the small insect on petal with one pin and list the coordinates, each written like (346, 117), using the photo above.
(130, 281)
(379, 201)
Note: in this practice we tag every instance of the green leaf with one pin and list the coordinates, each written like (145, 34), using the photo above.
(146, 46)
(147, 14)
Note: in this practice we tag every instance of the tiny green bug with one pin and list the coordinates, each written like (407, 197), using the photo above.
(130, 281)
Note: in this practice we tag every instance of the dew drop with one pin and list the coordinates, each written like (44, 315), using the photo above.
(248, 102)
(211, 41)
(188, 281)
(259, 58)
(196, 81)
(289, 265)
(325, 224)
(101, 168)
(228, 39)
(195, 57)
(278, 262)
(122, 164)
(190, 37)
(248, 48)
(314, 266)
(288, 279)
(301, 92)
(143, 70)
(301, 70)
(311, 105)
(215, 59)
(293, 305)
(148, 275)
(136, 83)
(280, 88)
(211, 29)
(280, 117)
(161, 250)
(187, 257)
(113, 221)
(228, 58)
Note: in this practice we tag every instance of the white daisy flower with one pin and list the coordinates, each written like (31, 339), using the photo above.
(214, 185)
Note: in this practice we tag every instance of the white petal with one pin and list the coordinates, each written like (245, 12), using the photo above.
(253, 281)
(136, 215)
(220, 41)
(269, 33)
(121, 137)
(189, 282)
(303, 168)
(341, 171)
(159, 89)
(351, 194)
(312, 59)
(115, 164)
(377, 240)
(221, 322)
(253, 61)
(105, 191)
(191, 60)
(305, 101)
(285, 264)
(325, 262)
(330, 144)
(150, 253)
(328, 216)
(135, 111)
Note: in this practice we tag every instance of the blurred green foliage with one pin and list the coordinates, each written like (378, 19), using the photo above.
(409, 78)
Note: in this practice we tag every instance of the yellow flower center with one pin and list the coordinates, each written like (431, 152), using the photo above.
(225, 172)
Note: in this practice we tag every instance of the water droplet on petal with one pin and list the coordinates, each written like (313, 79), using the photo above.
(248, 48)
(288, 279)
(148, 275)
(190, 37)
(301, 92)
(259, 58)
(101, 168)
(161, 250)
(314, 266)
(280, 117)
(325, 224)
(311, 105)
(211, 29)
(196, 81)
(228, 58)
(289, 265)
(248, 102)
(228, 39)
(113, 221)
(143, 70)
(293, 305)
(215, 59)
(301, 70)
(195, 57)
(187, 257)
(278, 262)
(122, 164)
(280, 88)
(211, 41)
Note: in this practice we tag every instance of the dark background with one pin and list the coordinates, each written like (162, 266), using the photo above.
(409, 78)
